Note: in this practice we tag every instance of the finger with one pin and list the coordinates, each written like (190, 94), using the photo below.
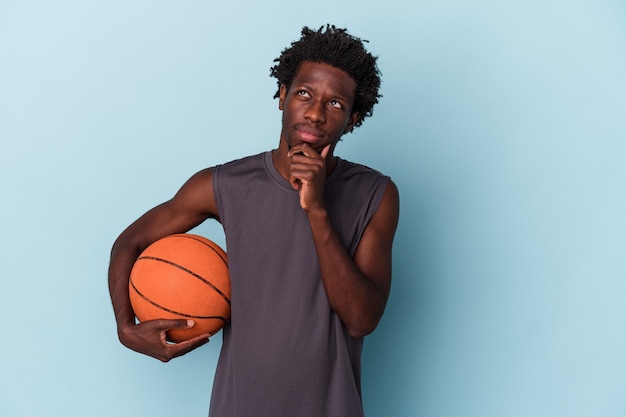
(187, 323)
(304, 149)
(199, 340)
(166, 324)
(295, 182)
(187, 346)
(306, 170)
(325, 151)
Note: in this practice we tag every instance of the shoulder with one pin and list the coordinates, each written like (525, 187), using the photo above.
(384, 222)
(391, 198)
(385, 193)
(359, 179)
(198, 192)
(349, 168)
(242, 164)
(354, 176)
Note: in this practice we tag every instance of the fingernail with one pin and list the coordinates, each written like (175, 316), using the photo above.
(190, 323)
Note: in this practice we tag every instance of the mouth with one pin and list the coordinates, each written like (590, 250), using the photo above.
(309, 134)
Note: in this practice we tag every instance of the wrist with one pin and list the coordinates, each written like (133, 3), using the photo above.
(317, 214)
(320, 223)
(124, 326)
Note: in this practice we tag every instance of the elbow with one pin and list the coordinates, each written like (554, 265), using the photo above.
(359, 333)
(362, 319)
(362, 326)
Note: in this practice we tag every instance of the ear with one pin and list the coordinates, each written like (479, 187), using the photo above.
(354, 117)
(281, 97)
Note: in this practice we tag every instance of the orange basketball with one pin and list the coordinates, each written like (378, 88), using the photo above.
(182, 276)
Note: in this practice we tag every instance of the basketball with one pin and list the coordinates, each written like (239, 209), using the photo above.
(182, 276)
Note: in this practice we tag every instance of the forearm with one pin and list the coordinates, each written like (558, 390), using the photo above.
(357, 286)
(123, 256)
(192, 204)
(148, 337)
(356, 298)
(166, 219)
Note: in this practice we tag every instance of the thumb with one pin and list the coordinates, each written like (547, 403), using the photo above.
(325, 151)
(182, 324)
(166, 324)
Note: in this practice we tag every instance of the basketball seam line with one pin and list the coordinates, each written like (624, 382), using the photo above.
(188, 236)
(154, 258)
(172, 311)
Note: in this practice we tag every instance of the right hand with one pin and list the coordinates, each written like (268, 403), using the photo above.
(150, 338)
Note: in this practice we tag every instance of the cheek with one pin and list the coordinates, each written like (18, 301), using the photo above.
(342, 124)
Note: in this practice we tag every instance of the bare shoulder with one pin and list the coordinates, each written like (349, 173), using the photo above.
(388, 212)
(197, 194)
(377, 238)
(193, 203)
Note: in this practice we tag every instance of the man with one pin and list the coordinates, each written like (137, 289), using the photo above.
(309, 238)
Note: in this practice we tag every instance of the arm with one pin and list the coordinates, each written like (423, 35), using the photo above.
(192, 204)
(358, 287)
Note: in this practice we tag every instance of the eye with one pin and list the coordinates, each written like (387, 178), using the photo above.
(336, 104)
(303, 93)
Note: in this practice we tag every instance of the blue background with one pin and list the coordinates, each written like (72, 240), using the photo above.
(503, 124)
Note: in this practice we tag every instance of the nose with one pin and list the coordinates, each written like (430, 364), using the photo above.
(315, 112)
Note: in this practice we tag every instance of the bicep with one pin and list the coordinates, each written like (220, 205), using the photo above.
(196, 199)
(192, 204)
(373, 255)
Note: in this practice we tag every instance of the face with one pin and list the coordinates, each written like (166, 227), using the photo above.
(317, 108)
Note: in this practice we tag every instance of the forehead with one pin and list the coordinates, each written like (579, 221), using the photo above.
(326, 78)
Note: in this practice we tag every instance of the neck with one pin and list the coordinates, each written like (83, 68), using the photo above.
(282, 161)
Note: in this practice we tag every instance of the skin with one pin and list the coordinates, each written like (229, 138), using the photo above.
(317, 110)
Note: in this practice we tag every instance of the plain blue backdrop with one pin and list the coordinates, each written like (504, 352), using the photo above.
(502, 122)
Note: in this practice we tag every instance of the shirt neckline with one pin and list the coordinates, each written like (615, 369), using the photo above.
(283, 183)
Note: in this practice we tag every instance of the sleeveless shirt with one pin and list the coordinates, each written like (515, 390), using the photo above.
(285, 353)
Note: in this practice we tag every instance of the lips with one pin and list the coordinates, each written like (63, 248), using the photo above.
(309, 134)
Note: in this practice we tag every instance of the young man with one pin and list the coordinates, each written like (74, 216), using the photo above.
(309, 238)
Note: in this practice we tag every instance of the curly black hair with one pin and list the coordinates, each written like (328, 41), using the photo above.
(335, 47)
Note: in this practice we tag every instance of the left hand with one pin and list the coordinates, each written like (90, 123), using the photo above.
(307, 175)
